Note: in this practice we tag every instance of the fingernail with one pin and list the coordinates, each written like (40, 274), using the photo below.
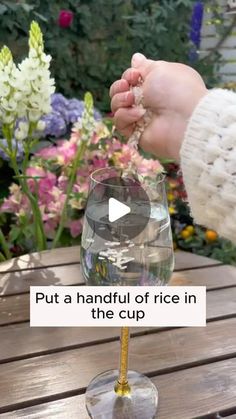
(137, 59)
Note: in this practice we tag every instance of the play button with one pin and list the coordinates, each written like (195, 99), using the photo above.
(116, 210)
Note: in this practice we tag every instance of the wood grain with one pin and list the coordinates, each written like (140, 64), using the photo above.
(69, 255)
(20, 282)
(188, 394)
(213, 278)
(220, 303)
(50, 375)
(187, 260)
(61, 256)
(48, 339)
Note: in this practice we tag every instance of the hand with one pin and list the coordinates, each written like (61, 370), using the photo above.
(170, 90)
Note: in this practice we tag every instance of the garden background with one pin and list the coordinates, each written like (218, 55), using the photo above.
(91, 43)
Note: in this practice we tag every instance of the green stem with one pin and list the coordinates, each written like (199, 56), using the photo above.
(78, 157)
(4, 245)
(38, 223)
(2, 258)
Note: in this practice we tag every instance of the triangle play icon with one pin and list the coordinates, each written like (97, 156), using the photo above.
(116, 210)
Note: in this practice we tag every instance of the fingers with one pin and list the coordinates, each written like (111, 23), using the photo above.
(119, 86)
(141, 64)
(122, 100)
(132, 76)
(125, 119)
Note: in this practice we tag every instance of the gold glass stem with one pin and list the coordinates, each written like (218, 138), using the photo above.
(122, 387)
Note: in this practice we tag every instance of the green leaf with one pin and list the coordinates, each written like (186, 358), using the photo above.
(14, 233)
(41, 17)
(27, 7)
(3, 9)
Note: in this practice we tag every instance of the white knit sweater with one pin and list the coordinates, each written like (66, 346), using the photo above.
(208, 161)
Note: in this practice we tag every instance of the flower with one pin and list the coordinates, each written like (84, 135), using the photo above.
(34, 81)
(9, 97)
(25, 92)
(62, 153)
(64, 112)
(15, 144)
(49, 170)
(65, 18)
(195, 31)
(16, 203)
(75, 227)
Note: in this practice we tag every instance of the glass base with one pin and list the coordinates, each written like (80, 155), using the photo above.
(103, 403)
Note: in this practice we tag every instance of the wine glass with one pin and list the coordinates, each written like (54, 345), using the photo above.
(137, 250)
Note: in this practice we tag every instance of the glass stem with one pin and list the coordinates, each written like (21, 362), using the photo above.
(122, 387)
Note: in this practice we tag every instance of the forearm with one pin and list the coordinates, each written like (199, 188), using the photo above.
(208, 161)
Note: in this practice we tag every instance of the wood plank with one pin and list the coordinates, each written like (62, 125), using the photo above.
(49, 339)
(221, 302)
(198, 391)
(20, 281)
(72, 407)
(213, 278)
(50, 375)
(187, 394)
(53, 257)
(187, 260)
(69, 255)
(202, 391)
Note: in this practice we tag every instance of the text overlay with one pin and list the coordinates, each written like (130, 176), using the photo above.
(118, 306)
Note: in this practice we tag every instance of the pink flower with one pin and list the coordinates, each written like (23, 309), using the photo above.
(65, 18)
(48, 153)
(50, 227)
(17, 203)
(147, 167)
(43, 185)
(75, 227)
(82, 186)
(99, 163)
(123, 157)
(62, 182)
(55, 206)
(63, 153)
(66, 152)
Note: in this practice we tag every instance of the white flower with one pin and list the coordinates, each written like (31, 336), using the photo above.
(25, 92)
(41, 125)
(22, 131)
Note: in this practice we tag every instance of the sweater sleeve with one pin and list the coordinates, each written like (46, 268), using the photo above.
(208, 162)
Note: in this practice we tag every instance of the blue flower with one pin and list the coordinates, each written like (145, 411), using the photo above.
(20, 151)
(195, 29)
(65, 112)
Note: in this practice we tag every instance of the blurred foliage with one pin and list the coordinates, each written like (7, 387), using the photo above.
(186, 234)
(96, 48)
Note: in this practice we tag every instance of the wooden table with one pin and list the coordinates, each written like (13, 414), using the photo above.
(44, 372)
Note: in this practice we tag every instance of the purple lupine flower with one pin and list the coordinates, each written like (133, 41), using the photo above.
(195, 29)
(20, 151)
